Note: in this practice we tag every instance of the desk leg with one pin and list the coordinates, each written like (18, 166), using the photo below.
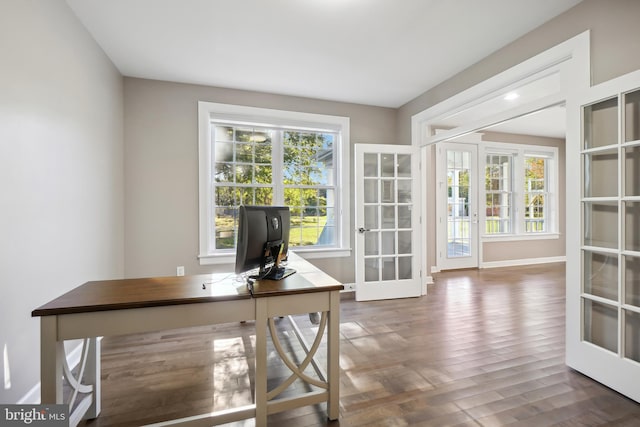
(92, 377)
(333, 359)
(51, 354)
(261, 362)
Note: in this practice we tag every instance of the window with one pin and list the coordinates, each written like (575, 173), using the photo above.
(535, 194)
(520, 190)
(258, 156)
(498, 185)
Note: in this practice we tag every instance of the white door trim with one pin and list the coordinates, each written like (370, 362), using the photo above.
(572, 58)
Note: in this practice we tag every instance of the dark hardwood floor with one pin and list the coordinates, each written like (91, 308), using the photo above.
(483, 348)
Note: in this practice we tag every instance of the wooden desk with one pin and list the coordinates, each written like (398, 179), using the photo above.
(116, 307)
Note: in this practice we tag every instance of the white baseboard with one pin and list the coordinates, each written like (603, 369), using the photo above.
(33, 396)
(520, 262)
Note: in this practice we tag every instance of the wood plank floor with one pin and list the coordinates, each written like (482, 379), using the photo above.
(483, 348)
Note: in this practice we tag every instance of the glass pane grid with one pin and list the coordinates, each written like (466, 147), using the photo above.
(603, 222)
(498, 185)
(387, 217)
(243, 174)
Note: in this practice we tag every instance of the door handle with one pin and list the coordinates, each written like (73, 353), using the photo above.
(362, 230)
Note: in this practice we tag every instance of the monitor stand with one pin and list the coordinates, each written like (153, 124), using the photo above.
(279, 273)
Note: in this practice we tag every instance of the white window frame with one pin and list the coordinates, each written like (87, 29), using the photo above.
(518, 228)
(239, 114)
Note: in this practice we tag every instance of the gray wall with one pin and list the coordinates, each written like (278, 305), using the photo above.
(161, 168)
(61, 173)
(614, 44)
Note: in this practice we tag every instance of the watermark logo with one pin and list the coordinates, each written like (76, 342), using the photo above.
(34, 415)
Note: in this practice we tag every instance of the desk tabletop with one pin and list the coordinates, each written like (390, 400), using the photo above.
(173, 290)
(146, 292)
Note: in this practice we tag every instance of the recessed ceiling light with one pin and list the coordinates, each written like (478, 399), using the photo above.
(511, 96)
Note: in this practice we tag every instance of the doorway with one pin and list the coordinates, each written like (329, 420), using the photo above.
(457, 205)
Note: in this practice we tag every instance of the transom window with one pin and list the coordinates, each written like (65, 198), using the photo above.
(273, 157)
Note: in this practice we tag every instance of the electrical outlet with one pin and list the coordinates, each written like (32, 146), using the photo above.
(349, 287)
(180, 270)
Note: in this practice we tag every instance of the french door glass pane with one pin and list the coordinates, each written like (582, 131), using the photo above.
(371, 243)
(601, 224)
(388, 165)
(404, 166)
(632, 116)
(372, 269)
(404, 267)
(404, 242)
(404, 191)
(458, 219)
(371, 191)
(388, 242)
(601, 124)
(389, 268)
(371, 217)
(632, 335)
(404, 216)
(632, 226)
(370, 165)
(632, 280)
(388, 217)
(601, 275)
(601, 173)
(632, 171)
(601, 325)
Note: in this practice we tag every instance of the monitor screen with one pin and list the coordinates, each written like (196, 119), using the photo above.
(263, 241)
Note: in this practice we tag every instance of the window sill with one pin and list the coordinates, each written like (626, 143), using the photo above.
(519, 237)
(230, 258)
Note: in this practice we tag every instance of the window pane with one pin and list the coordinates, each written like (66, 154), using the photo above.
(243, 173)
(535, 192)
(263, 153)
(498, 185)
(224, 151)
(225, 225)
(224, 172)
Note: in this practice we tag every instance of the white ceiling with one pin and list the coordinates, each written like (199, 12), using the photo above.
(374, 52)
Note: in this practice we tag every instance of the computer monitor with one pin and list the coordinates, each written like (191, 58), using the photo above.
(263, 241)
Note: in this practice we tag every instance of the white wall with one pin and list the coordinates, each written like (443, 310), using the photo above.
(61, 173)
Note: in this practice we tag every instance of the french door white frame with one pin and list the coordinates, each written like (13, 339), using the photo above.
(443, 259)
(384, 288)
(571, 58)
(611, 368)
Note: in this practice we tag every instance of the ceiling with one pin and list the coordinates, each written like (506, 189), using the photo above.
(373, 52)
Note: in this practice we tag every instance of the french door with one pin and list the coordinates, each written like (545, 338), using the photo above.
(387, 222)
(603, 247)
(456, 205)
